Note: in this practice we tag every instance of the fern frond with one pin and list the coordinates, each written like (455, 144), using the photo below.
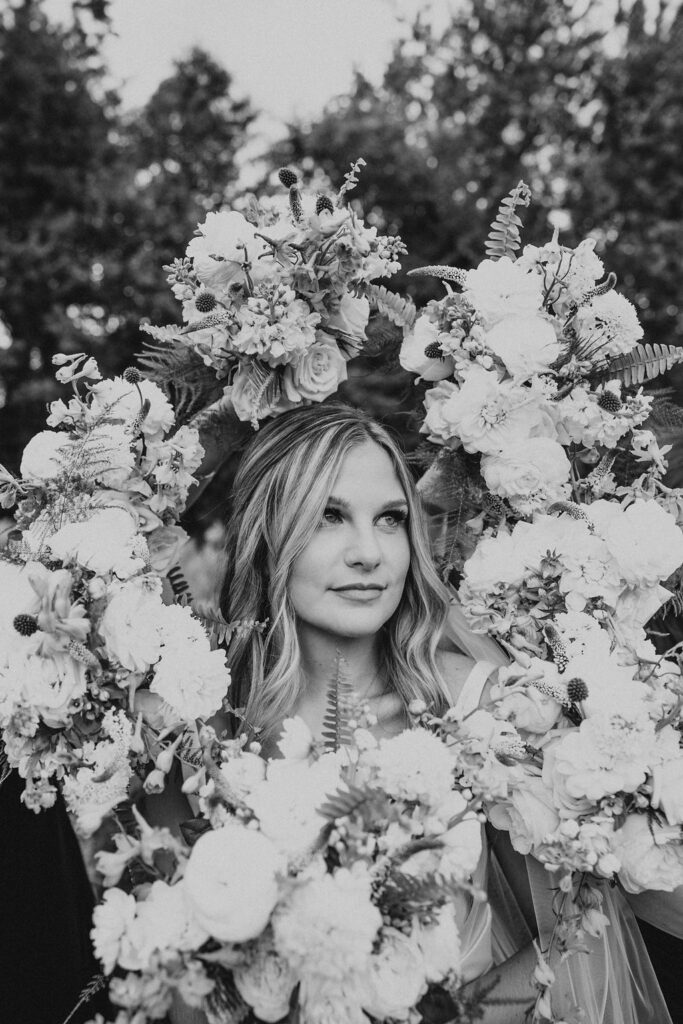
(401, 311)
(340, 699)
(665, 415)
(504, 238)
(179, 585)
(95, 985)
(5, 766)
(672, 606)
(182, 375)
(343, 802)
(644, 362)
(219, 630)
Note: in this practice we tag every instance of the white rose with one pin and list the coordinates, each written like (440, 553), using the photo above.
(498, 288)
(651, 856)
(46, 455)
(318, 373)
(116, 399)
(529, 709)
(522, 471)
(396, 977)
(224, 235)
(438, 403)
(644, 539)
(129, 624)
(351, 317)
(529, 816)
(412, 355)
(231, 882)
(525, 344)
(50, 685)
(266, 983)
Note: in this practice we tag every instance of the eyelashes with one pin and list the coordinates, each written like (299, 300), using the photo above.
(399, 516)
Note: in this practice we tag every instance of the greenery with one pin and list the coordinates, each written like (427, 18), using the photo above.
(93, 200)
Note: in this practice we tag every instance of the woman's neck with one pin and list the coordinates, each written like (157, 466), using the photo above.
(357, 659)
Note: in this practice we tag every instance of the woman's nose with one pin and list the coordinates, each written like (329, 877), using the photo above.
(363, 549)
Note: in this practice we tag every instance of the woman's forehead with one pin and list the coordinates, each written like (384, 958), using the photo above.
(368, 472)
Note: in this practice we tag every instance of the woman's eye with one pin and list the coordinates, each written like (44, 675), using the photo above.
(331, 515)
(393, 518)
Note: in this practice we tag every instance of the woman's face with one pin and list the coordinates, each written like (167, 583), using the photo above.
(349, 579)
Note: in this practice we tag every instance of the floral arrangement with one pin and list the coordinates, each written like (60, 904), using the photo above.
(327, 885)
(276, 301)
(562, 533)
(84, 633)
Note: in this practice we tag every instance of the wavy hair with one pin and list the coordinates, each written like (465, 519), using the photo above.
(280, 492)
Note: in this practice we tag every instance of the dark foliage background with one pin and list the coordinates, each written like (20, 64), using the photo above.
(94, 200)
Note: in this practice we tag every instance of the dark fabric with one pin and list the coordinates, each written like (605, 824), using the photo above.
(666, 954)
(45, 915)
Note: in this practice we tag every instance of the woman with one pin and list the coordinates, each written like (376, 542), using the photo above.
(326, 542)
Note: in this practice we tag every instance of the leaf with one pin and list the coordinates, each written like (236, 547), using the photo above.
(189, 384)
(193, 828)
(219, 630)
(665, 415)
(644, 362)
(504, 238)
(224, 1005)
(95, 985)
(340, 699)
(179, 585)
(343, 802)
(5, 767)
(400, 311)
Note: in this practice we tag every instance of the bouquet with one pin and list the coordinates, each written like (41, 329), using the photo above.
(328, 885)
(560, 529)
(276, 301)
(84, 633)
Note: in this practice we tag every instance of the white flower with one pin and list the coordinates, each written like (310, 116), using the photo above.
(327, 927)
(108, 542)
(412, 355)
(165, 921)
(243, 773)
(498, 288)
(667, 789)
(275, 326)
(286, 803)
(608, 325)
(113, 920)
(437, 403)
(231, 882)
(189, 676)
(528, 473)
(396, 977)
(265, 983)
(318, 373)
(529, 709)
(439, 944)
(651, 856)
(226, 242)
(351, 317)
(46, 456)
(495, 561)
(644, 539)
(415, 765)
(129, 624)
(115, 399)
(526, 345)
(102, 783)
(584, 270)
(529, 816)
(296, 740)
(17, 596)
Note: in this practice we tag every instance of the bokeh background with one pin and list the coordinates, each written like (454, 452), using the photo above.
(122, 122)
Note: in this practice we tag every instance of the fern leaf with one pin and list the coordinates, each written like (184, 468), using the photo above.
(343, 802)
(504, 238)
(179, 585)
(644, 362)
(95, 985)
(182, 375)
(665, 415)
(219, 630)
(224, 1005)
(400, 311)
(340, 697)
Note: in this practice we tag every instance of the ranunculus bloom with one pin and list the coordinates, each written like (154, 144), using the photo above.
(412, 355)
(525, 344)
(318, 373)
(231, 882)
(129, 624)
(651, 856)
(265, 983)
(529, 816)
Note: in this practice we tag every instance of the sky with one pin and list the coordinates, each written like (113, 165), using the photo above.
(288, 56)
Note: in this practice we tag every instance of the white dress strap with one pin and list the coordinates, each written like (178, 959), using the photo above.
(473, 687)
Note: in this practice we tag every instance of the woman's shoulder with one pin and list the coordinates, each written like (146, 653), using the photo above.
(458, 669)
(455, 669)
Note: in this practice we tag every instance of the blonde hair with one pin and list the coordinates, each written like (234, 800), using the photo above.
(280, 492)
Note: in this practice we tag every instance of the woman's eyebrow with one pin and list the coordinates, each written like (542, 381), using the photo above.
(398, 502)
